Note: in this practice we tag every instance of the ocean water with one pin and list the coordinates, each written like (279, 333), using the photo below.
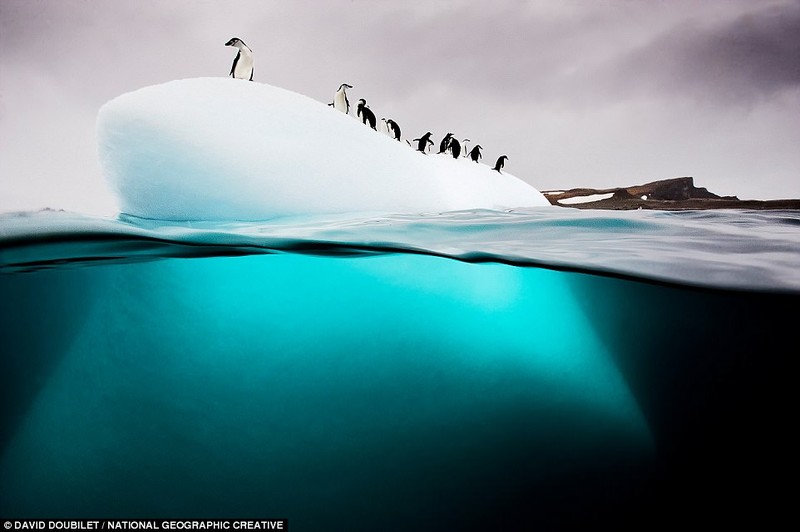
(522, 370)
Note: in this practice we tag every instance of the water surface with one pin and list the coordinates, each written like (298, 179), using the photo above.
(470, 370)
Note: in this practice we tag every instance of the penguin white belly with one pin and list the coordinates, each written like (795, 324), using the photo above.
(244, 67)
(340, 102)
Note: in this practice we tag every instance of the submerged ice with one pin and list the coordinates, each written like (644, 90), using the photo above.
(310, 384)
(226, 149)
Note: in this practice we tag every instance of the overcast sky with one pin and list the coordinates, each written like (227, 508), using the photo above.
(595, 93)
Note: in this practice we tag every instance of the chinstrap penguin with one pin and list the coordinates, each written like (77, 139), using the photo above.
(365, 113)
(445, 143)
(475, 153)
(242, 67)
(340, 101)
(394, 129)
(455, 147)
(423, 141)
(501, 161)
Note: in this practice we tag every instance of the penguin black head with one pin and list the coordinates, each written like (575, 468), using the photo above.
(345, 86)
(234, 41)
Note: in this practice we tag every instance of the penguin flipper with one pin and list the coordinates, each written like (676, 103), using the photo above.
(235, 61)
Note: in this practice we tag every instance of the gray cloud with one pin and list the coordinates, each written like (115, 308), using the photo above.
(748, 58)
(761, 50)
(602, 51)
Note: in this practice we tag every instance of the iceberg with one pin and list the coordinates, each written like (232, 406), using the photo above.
(228, 149)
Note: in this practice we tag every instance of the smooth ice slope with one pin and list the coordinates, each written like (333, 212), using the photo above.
(227, 149)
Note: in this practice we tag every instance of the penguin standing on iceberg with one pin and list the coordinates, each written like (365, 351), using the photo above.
(365, 113)
(475, 153)
(394, 129)
(242, 67)
(445, 143)
(340, 101)
(423, 141)
(501, 161)
(455, 147)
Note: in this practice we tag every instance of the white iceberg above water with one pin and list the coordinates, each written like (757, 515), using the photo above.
(227, 149)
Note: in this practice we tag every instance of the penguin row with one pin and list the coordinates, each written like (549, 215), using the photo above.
(341, 103)
(449, 143)
(243, 68)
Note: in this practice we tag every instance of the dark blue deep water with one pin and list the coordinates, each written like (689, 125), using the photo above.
(527, 370)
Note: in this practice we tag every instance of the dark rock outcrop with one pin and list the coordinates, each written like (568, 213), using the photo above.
(668, 194)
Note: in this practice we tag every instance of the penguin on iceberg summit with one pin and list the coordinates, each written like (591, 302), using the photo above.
(242, 67)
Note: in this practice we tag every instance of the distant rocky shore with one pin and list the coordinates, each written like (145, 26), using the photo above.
(668, 194)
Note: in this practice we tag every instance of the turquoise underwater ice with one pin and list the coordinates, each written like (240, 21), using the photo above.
(271, 383)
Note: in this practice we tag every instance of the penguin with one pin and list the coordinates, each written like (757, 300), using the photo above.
(423, 141)
(384, 127)
(445, 142)
(394, 129)
(475, 153)
(340, 101)
(501, 161)
(365, 113)
(242, 67)
(455, 148)
(466, 150)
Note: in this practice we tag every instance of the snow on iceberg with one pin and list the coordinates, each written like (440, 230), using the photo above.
(228, 149)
